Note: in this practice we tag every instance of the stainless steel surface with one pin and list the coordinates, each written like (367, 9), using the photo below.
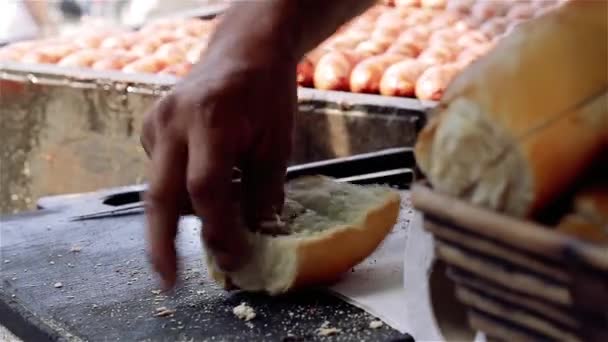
(67, 130)
(393, 167)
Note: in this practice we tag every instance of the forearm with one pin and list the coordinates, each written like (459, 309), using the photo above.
(39, 11)
(288, 28)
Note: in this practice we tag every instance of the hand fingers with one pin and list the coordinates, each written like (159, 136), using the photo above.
(166, 187)
(264, 181)
(263, 194)
(212, 156)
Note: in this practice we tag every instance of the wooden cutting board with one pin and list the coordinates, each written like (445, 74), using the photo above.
(90, 280)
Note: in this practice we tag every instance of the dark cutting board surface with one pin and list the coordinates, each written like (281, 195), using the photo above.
(106, 291)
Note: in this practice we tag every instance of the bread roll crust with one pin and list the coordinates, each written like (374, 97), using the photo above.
(285, 262)
(520, 124)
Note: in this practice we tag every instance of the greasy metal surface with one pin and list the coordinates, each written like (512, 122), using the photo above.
(67, 130)
(108, 292)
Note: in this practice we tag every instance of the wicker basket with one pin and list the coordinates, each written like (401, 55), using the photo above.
(520, 281)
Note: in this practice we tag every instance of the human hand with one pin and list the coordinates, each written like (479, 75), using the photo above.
(234, 109)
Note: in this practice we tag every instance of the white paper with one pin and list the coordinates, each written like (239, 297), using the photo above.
(394, 289)
(376, 285)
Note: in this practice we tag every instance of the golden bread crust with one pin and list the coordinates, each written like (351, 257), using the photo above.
(540, 99)
(285, 262)
(322, 260)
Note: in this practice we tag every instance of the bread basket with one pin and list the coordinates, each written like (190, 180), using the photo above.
(520, 281)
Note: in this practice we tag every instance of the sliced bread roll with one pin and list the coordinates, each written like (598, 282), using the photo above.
(520, 125)
(332, 227)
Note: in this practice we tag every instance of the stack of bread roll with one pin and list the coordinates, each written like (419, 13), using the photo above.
(526, 124)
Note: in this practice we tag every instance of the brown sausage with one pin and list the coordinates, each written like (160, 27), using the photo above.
(341, 42)
(438, 54)
(305, 73)
(48, 54)
(472, 38)
(419, 17)
(389, 18)
(333, 70)
(521, 12)
(406, 49)
(179, 70)
(400, 79)
(147, 47)
(171, 53)
(419, 33)
(444, 20)
(494, 27)
(92, 40)
(372, 13)
(8, 54)
(436, 4)
(461, 6)
(195, 28)
(121, 41)
(371, 48)
(116, 61)
(433, 82)
(306, 68)
(444, 36)
(82, 58)
(366, 76)
(486, 9)
(186, 43)
(149, 64)
(386, 33)
(407, 3)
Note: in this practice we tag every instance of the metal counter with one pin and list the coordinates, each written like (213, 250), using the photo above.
(68, 130)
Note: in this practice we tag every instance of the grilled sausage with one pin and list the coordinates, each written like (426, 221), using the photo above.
(179, 69)
(333, 70)
(438, 54)
(82, 58)
(116, 61)
(48, 54)
(400, 79)
(486, 9)
(435, 4)
(149, 64)
(521, 12)
(366, 76)
(461, 6)
(433, 81)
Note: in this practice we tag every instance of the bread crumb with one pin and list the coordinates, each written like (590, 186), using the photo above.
(163, 312)
(75, 249)
(375, 324)
(58, 285)
(244, 312)
(326, 330)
